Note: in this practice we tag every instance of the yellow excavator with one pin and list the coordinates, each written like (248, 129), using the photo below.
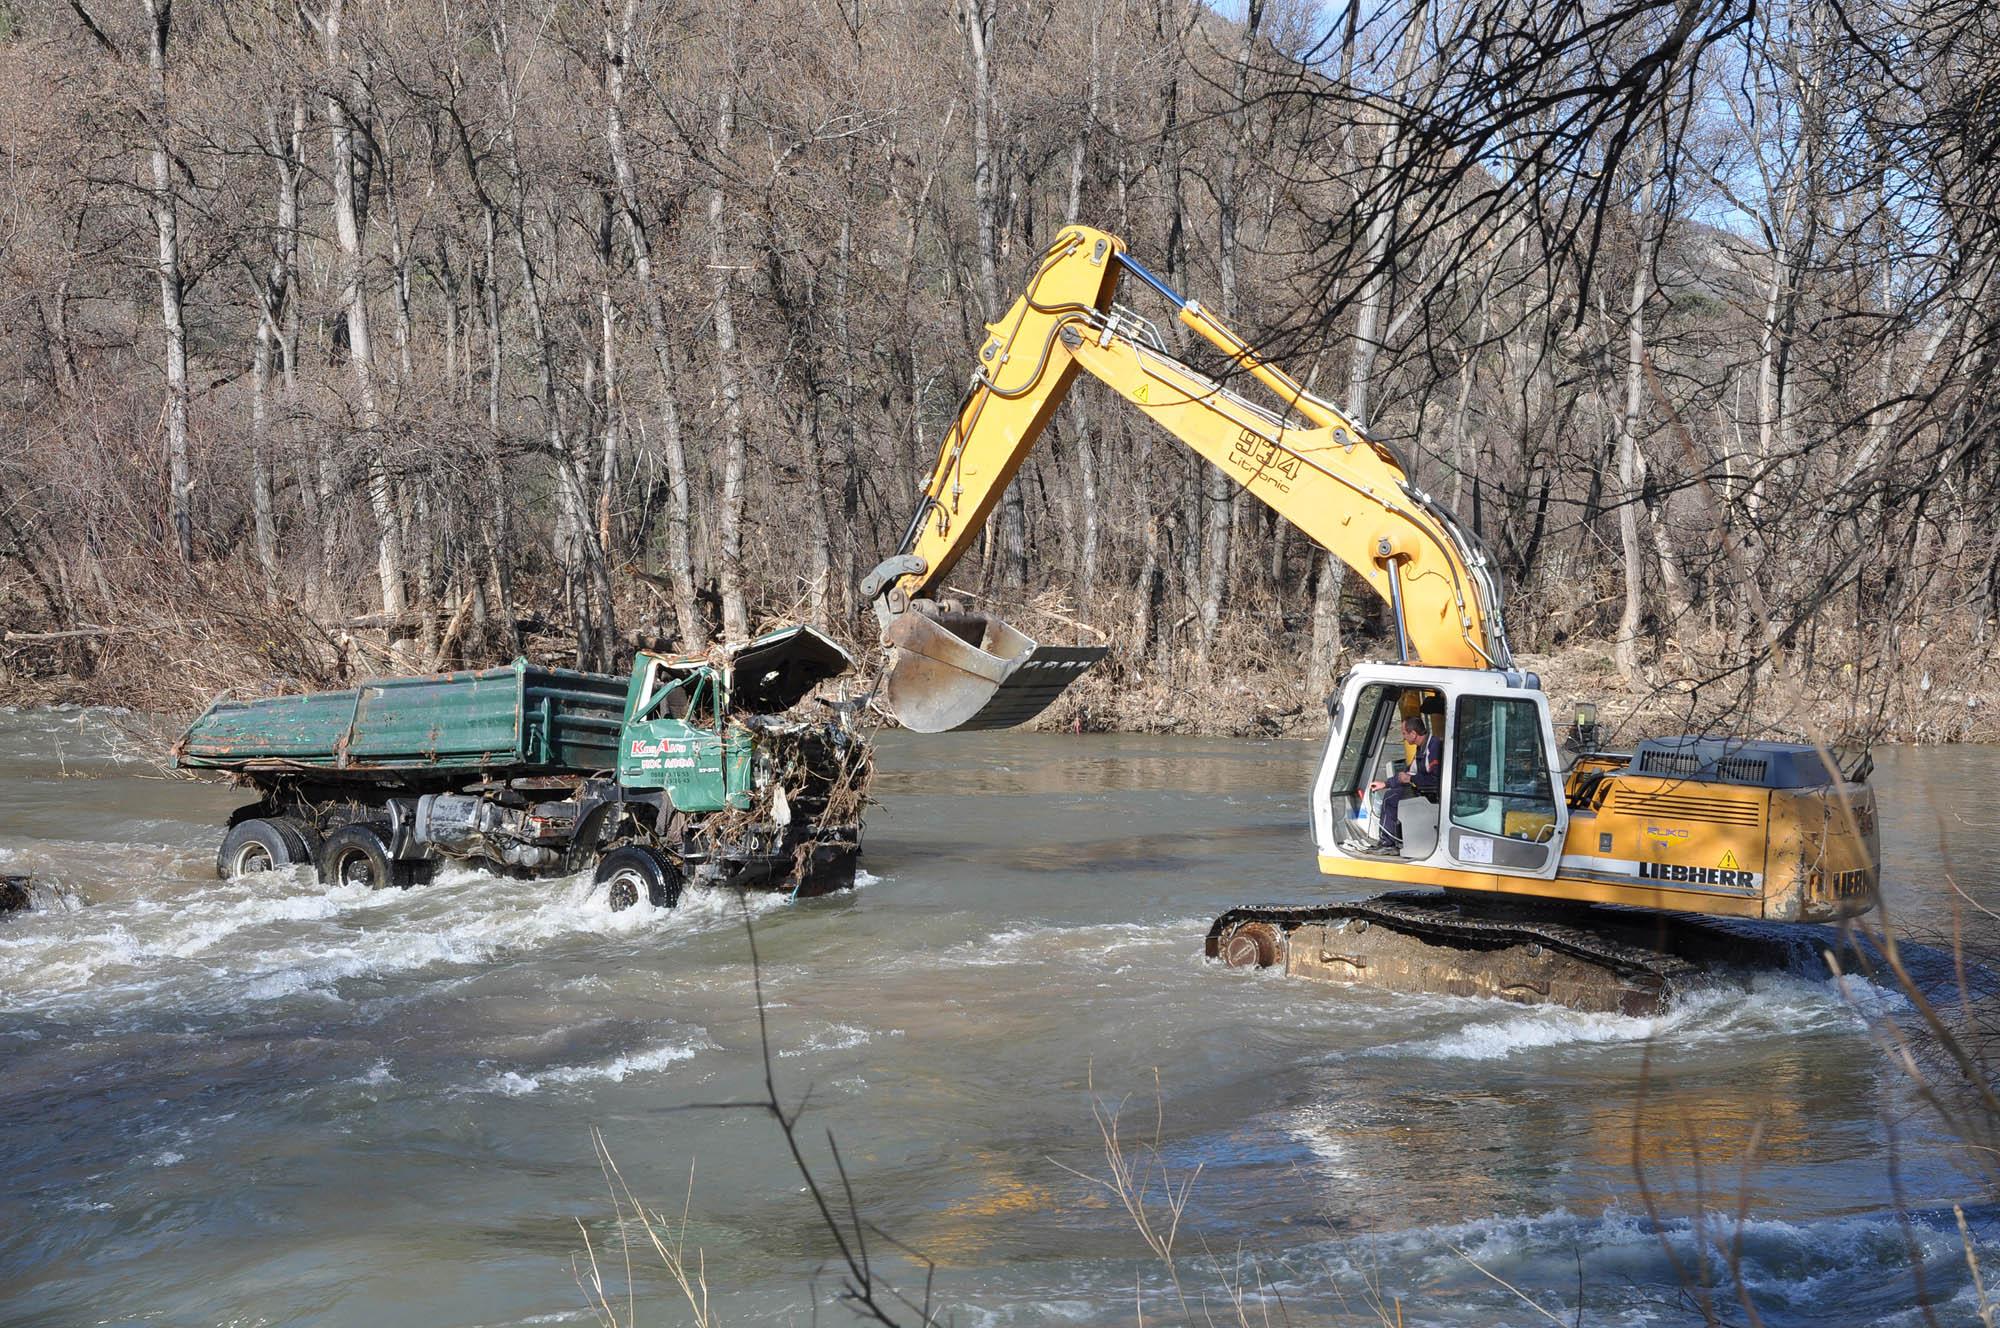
(1604, 881)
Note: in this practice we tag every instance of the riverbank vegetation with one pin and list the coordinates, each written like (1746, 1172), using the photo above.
(347, 338)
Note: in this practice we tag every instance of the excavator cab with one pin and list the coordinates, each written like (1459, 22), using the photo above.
(1498, 808)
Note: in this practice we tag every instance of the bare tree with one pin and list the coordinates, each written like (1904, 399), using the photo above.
(619, 55)
(166, 226)
(1682, 308)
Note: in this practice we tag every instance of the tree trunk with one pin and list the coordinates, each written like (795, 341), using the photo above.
(1219, 489)
(173, 283)
(729, 522)
(495, 346)
(1630, 478)
(673, 454)
(613, 405)
(274, 295)
(849, 461)
(1673, 582)
(1464, 453)
(819, 538)
(349, 85)
(577, 548)
(1147, 616)
(263, 523)
(1324, 656)
(1379, 206)
(400, 265)
(290, 150)
(976, 18)
(1088, 518)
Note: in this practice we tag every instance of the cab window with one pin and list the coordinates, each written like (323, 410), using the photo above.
(699, 710)
(1500, 778)
(1374, 709)
(664, 695)
(689, 698)
(1373, 746)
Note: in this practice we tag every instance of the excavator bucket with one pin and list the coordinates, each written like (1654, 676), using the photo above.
(972, 671)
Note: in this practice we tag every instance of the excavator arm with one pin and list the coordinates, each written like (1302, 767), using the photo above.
(1305, 459)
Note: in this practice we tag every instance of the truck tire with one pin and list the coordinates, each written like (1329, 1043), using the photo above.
(258, 845)
(358, 854)
(635, 869)
(304, 831)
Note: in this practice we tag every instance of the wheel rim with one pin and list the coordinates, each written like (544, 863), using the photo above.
(252, 857)
(1251, 946)
(354, 868)
(625, 888)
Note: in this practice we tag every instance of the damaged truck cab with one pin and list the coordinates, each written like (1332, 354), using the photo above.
(746, 795)
(686, 772)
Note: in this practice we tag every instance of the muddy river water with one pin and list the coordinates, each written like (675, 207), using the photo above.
(260, 1102)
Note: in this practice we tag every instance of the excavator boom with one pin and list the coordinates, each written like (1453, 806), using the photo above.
(1300, 455)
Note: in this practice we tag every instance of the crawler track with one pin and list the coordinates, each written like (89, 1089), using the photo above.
(1595, 959)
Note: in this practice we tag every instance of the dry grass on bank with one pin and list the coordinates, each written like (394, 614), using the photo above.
(206, 630)
(190, 634)
(1247, 693)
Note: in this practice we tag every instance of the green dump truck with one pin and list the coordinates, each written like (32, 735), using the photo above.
(686, 772)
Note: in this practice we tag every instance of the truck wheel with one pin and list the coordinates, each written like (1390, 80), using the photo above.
(633, 870)
(357, 854)
(258, 845)
(302, 830)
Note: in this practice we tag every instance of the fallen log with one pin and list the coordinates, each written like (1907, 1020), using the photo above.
(12, 637)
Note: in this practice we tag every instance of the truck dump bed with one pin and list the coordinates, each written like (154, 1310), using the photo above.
(521, 719)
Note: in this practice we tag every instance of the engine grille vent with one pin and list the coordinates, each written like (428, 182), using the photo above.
(1744, 769)
(1731, 761)
(1688, 807)
(1735, 769)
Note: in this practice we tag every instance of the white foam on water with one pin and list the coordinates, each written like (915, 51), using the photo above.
(1034, 1312)
(516, 1083)
(1774, 1005)
(863, 877)
(837, 1037)
(1091, 946)
(69, 736)
(168, 1159)
(273, 936)
(512, 1083)
(1797, 1263)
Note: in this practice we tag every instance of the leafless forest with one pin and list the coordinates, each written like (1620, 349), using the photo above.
(344, 336)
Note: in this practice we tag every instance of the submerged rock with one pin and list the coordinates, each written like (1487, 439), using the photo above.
(17, 894)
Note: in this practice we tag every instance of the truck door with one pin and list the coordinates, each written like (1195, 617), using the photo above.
(674, 740)
(1503, 810)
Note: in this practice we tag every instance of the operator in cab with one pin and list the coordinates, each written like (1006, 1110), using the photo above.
(1422, 778)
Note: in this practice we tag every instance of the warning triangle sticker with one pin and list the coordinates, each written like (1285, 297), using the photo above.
(1728, 862)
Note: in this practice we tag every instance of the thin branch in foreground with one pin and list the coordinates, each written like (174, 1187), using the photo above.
(867, 1293)
(1526, 1299)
